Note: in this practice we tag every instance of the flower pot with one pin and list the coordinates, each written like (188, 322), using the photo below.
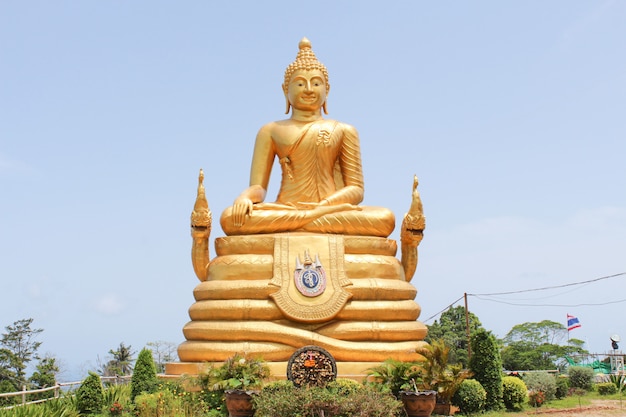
(418, 403)
(239, 402)
(445, 409)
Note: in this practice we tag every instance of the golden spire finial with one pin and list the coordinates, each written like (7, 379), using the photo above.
(304, 43)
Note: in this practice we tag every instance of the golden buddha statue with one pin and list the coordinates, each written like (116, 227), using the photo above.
(322, 178)
(312, 268)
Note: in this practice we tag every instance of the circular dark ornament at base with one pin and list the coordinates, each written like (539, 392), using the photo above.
(311, 366)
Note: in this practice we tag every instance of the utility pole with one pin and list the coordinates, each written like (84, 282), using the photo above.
(467, 328)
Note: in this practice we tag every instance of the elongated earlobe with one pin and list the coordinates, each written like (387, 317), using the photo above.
(288, 106)
(324, 107)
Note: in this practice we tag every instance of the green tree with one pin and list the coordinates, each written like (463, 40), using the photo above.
(45, 375)
(144, 379)
(537, 346)
(8, 378)
(90, 395)
(121, 362)
(19, 339)
(486, 364)
(452, 328)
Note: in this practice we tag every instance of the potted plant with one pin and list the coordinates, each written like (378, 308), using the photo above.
(240, 378)
(418, 401)
(438, 375)
(421, 385)
(404, 380)
(393, 375)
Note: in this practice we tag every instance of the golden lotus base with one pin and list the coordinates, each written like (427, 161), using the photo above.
(278, 370)
(250, 301)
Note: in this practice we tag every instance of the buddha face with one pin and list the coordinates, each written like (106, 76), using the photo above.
(307, 90)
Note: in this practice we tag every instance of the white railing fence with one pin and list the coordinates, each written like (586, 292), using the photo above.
(58, 388)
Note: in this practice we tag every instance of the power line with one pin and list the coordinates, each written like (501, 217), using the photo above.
(550, 305)
(444, 309)
(536, 289)
(552, 287)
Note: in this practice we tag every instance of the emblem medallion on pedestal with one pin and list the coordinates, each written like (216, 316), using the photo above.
(310, 277)
(310, 291)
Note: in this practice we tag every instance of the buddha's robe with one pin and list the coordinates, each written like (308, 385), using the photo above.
(324, 163)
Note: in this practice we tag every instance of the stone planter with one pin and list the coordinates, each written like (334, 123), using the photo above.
(418, 403)
(239, 402)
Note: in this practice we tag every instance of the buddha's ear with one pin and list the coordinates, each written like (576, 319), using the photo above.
(326, 101)
(288, 105)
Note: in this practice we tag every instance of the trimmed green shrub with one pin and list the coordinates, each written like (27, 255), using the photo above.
(541, 382)
(486, 364)
(580, 377)
(90, 395)
(144, 377)
(606, 388)
(273, 386)
(514, 393)
(285, 400)
(470, 397)
(562, 387)
(344, 386)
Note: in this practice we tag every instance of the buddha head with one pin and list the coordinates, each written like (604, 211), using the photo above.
(306, 61)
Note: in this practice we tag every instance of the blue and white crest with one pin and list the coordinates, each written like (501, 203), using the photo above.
(310, 277)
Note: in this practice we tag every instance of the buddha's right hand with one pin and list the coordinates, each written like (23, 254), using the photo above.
(241, 208)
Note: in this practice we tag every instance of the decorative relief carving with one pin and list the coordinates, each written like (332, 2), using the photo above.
(311, 366)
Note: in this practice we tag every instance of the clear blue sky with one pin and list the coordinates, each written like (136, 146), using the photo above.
(512, 114)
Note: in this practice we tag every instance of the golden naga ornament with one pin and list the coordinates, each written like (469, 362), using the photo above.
(314, 267)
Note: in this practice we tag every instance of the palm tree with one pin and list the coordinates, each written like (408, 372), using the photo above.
(121, 362)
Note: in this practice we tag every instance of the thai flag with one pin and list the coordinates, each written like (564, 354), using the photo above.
(572, 323)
